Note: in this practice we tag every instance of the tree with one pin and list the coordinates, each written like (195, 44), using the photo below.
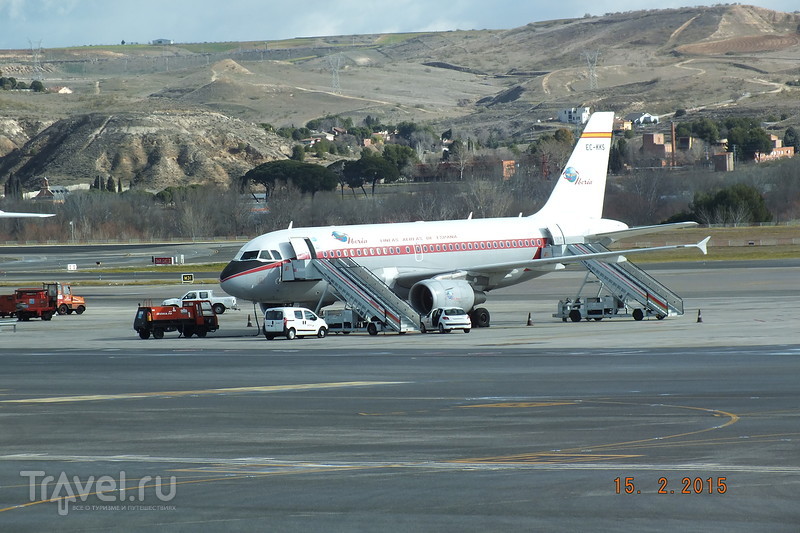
(736, 204)
(792, 138)
(298, 153)
(399, 155)
(37, 86)
(618, 156)
(307, 177)
(749, 141)
(372, 168)
(110, 185)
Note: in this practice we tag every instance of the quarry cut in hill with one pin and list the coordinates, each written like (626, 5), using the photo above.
(149, 150)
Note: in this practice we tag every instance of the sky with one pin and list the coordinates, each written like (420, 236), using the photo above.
(61, 23)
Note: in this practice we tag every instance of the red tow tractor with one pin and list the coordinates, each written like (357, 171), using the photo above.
(194, 317)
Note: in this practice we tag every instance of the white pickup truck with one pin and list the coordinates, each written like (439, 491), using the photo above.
(218, 303)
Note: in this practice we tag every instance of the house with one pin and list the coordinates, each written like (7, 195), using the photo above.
(574, 115)
(778, 151)
(654, 145)
(46, 193)
(640, 118)
(622, 125)
(162, 41)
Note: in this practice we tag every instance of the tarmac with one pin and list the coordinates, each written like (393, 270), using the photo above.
(687, 423)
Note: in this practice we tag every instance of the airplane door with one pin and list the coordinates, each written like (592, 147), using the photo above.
(303, 249)
(556, 234)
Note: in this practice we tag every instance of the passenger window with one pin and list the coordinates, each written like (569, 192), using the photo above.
(298, 315)
(204, 295)
(310, 315)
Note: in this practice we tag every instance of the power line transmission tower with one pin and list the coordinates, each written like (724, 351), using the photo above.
(36, 54)
(335, 61)
(591, 60)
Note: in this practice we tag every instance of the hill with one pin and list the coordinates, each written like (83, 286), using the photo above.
(129, 114)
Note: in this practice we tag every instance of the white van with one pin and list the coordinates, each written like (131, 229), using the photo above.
(291, 322)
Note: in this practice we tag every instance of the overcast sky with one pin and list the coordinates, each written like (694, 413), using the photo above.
(59, 23)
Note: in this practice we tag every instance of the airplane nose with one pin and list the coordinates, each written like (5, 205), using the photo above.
(237, 278)
(229, 271)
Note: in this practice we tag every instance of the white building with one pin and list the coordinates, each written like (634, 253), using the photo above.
(574, 115)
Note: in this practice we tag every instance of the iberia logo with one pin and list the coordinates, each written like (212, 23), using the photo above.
(570, 174)
(340, 236)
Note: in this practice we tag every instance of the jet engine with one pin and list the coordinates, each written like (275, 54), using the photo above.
(430, 293)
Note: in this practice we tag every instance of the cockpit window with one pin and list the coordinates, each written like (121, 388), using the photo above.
(250, 254)
(265, 255)
(276, 254)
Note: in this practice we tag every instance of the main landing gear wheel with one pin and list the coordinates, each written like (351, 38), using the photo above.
(480, 317)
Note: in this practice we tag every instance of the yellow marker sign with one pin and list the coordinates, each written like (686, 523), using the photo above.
(187, 278)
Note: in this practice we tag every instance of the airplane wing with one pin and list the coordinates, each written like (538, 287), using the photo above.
(611, 236)
(5, 214)
(613, 256)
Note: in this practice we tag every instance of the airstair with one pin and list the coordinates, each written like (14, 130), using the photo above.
(627, 282)
(367, 294)
(357, 286)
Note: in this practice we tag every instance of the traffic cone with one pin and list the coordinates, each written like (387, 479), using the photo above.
(530, 320)
(699, 317)
(249, 322)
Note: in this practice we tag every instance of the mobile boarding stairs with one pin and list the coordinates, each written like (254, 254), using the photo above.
(357, 286)
(629, 286)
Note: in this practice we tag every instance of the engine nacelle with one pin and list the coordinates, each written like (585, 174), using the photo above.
(430, 293)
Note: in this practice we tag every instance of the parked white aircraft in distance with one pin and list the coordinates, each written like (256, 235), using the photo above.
(5, 214)
(451, 262)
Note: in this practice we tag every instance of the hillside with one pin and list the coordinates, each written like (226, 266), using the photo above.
(187, 113)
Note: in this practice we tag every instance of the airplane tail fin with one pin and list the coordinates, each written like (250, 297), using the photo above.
(580, 189)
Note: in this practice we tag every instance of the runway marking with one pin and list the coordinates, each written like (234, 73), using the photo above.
(546, 458)
(232, 390)
(504, 405)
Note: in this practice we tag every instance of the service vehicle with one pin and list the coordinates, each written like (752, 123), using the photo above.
(219, 303)
(53, 297)
(27, 303)
(293, 322)
(445, 320)
(193, 317)
(63, 299)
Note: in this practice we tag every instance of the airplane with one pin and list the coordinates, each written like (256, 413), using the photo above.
(451, 262)
(7, 214)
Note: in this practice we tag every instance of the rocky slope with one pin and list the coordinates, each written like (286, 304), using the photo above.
(148, 150)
